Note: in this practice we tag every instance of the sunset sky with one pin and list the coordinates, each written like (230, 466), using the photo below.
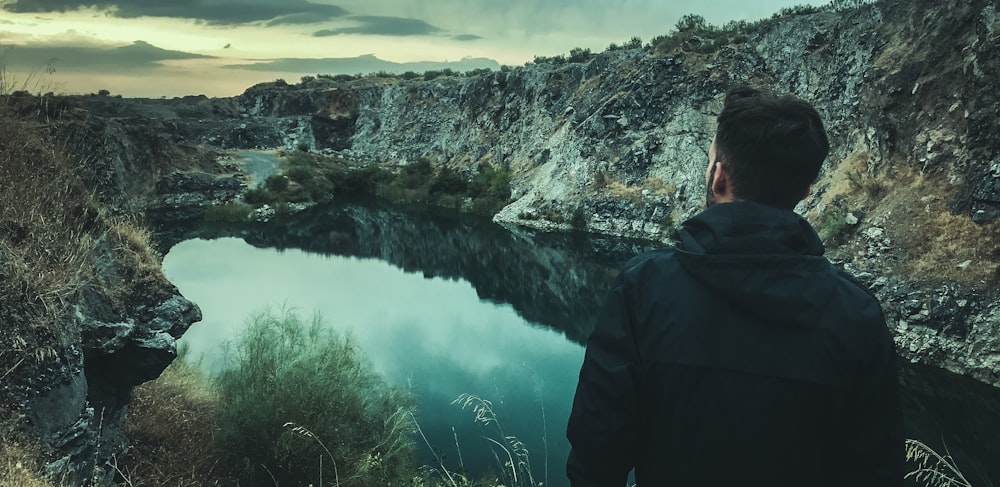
(221, 47)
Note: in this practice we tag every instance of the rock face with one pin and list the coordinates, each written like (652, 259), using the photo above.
(122, 332)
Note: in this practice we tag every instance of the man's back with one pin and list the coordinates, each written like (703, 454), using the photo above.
(741, 356)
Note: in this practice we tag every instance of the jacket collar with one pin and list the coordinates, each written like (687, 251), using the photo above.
(747, 227)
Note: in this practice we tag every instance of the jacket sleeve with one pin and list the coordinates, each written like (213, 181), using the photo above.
(875, 441)
(602, 425)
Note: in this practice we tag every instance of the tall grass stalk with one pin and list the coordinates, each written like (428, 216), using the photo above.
(302, 431)
(448, 474)
(932, 468)
(518, 464)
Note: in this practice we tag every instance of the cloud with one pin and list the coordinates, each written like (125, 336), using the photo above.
(220, 12)
(361, 64)
(95, 58)
(380, 25)
(466, 37)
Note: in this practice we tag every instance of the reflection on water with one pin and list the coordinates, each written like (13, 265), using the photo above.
(431, 333)
(454, 305)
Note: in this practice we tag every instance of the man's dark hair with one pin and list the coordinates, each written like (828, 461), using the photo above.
(773, 147)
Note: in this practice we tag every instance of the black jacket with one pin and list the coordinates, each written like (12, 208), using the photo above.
(739, 357)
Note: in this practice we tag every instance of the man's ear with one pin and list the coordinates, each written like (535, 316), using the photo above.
(722, 183)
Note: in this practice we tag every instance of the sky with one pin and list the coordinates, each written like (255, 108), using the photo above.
(149, 48)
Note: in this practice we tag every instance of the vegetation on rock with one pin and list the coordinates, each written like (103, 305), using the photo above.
(312, 178)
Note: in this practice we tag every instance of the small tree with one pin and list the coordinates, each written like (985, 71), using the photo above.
(691, 23)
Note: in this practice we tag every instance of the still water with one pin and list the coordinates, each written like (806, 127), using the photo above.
(447, 305)
(433, 334)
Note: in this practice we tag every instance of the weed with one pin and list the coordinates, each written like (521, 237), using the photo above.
(276, 183)
(933, 469)
(600, 181)
(511, 454)
(286, 370)
(48, 224)
(835, 222)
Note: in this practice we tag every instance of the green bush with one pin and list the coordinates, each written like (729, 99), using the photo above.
(491, 182)
(259, 196)
(432, 74)
(299, 405)
(300, 174)
(417, 174)
(478, 72)
(276, 183)
(448, 181)
(580, 55)
(693, 34)
(362, 181)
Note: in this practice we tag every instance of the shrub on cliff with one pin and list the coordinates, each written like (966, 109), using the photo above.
(300, 404)
(491, 183)
(693, 34)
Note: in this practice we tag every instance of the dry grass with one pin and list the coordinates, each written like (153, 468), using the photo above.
(138, 277)
(928, 241)
(655, 186)
(47, 223)
(19, 466)
(49, 233)
(935, 244)
(171, 429)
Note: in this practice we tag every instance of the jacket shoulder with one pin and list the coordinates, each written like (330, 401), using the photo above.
(650, 257)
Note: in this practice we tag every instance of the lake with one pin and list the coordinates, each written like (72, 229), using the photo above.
(448, 305)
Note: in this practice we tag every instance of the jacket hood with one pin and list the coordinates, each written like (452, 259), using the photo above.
(762, 260)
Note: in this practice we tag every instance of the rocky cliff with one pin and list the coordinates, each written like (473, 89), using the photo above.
(86, 313)
(616, 145)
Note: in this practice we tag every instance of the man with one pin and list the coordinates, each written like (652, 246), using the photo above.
(741, 356)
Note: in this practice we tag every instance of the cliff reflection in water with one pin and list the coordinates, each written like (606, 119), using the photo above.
(558, 280)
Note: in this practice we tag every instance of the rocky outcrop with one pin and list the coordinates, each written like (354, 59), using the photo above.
(121, 332)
